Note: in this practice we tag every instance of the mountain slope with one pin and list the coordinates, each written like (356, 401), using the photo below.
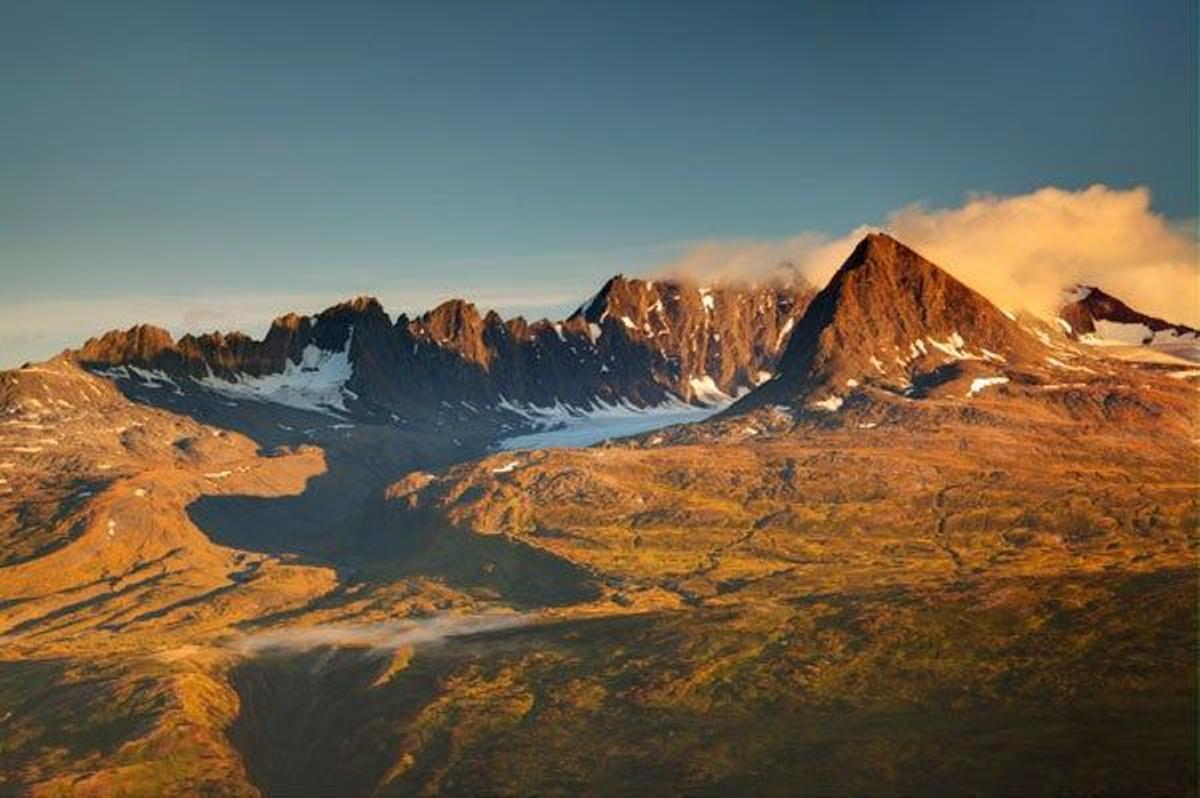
(764, 549)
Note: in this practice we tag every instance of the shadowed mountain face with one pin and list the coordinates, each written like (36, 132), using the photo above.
(636, 342)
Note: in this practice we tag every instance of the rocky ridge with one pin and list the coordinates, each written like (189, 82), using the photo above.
(636, 342)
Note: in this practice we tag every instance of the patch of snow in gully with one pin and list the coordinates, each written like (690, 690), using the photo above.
(830, 404)
(979, 383)
(705, 389)
(783, 332)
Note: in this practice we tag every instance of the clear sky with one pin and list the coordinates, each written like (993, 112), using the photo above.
(232, 159)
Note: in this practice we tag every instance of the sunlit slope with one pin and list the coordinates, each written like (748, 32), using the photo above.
(737, 517)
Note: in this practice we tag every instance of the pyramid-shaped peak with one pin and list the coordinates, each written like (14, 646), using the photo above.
(880, 250)
(594, 307)
(877, 243)
(883, 273)
(889, 318)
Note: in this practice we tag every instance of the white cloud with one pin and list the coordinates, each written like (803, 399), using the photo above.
(1023, 250)
(1020, 251)
(385, 635)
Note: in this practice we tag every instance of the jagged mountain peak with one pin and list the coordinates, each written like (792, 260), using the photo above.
(139, 344)
(593, 308)
(289, 321)
(358, 307)
(451, 319)
(638, 303)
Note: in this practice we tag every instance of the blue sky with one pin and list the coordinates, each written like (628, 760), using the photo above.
(220, 160)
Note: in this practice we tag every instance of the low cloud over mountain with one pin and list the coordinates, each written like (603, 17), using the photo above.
(1020, 251)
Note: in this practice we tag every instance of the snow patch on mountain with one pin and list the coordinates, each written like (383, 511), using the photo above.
(952, 346)
(146, 378)
(783, 332)
(979, 383)
(830, 404)
(704, 389)
(1122, 337)
(1113, 332)
(317, 382)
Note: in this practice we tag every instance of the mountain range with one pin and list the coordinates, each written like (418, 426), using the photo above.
(909, 525)
(888, 321)
(638, 343)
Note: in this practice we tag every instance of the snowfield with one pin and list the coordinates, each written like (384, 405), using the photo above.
(317, 382)
(1115, 335)
(1121, 333)
(566, 427)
